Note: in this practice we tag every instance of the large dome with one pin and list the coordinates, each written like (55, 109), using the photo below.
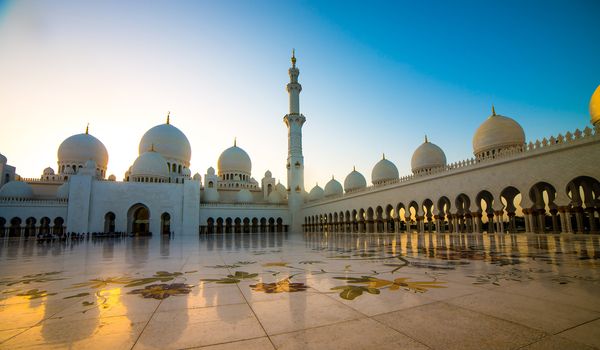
(427, 156)
(333, 188)
(243, 196)
(275, 197)
(151, 164)
(169, 141)
(384, 171)
(497, 133)
(80, 148)
(595, 106)
(16, 189)
(316, 193)
(210, 195)
(354, 181)
(234, 160)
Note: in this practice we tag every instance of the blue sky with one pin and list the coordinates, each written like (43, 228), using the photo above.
(376, 76)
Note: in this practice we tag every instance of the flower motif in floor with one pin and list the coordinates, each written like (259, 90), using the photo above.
(163, 290)
(281, 286)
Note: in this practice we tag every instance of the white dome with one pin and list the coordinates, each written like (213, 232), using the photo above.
(275, 197)
(62, 191)
(243, 196)
(48, 171)
(197, 177)
(354, 181)
(383, 171)
(268, 174)
(186, 172)
(210, 171)
(281, 189)
(169, 141)
(234, 159)
(16, 189)
(112, 177)
(150, 164)
(498, 132)
(211, 195)
(80, 148)
(333, 188)
(595, 106)
(316, 193)
(3, 159)
(427, 156)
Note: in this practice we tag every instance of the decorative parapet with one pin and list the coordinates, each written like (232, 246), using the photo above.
(243, 205)
(50, 180)
(546, 144)
(23, 202)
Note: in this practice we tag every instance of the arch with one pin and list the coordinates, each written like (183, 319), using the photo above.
(511, 201)
(271, 225)
(254, 225)
(228, 225)
(29, 226)
(14, 229)
(219, 225)
(279, 222)
(246, 225)
(210, 225)
(138, 219)
(237, 225)
(109, 222)
(165, 223)
(542, 195)
(44, 225)
(584, 192)
(58, 227)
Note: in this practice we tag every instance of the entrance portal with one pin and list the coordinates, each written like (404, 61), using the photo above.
(139, 220)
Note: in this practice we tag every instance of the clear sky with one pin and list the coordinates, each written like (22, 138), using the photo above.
(376, 76)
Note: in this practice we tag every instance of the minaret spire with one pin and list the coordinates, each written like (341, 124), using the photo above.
(235, 142)
(493, 110)
(87, 129)
(293, 58)
(169, 117)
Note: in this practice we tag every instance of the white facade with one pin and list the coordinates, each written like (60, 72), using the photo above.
(549, 185)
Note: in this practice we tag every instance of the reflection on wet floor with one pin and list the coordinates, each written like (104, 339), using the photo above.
(283, 290)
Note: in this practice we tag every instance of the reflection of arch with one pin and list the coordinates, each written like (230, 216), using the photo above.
(109, 222)
(254, 225)
(246, 226)
(138, 219)
(2, 225)
(228, 225)
(263, 225)
(271, 225)
(237, 228)
(165, 223)
(279, 225)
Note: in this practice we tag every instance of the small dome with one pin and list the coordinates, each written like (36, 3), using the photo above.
(268, 174)
(384, 171)
(427, 156)
(186, 172)
(243, 196)
(316, 193)
(62, 192)
(595, 106)
(210, 171)
(281, 188)
(496, 133)
(3, 159)
(16, 189)
(354, 181)
(48, 171)
(333, 188)
(275, 197)
(169, 141)
(234, 159)
(150, 164)
(210, 195)
(80, 148)
(112, 177)
(197, 177)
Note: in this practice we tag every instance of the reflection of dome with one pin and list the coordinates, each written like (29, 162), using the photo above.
(16, 189)
(78, 149)
(275, 197)
(234, 160)
(243, 196)
(150, 164)
(384, 171)
(169, 141)
(333, 188)
(62, 191)
(595, 106)
(48, 171)
(316, 193)
(354, 181)
(427, 156)
(211, 195)
(497, 133)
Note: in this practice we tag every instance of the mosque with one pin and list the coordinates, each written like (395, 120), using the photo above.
(509, 185)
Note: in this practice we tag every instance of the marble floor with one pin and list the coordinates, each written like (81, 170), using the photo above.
(302, 291)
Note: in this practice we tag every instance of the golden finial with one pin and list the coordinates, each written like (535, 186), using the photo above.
(354, 168)
(169, 117)
(333, 178)
(426, 138)
(294, 58)
(384, 156)
(235, 142)
(493, 110)
(87, 128)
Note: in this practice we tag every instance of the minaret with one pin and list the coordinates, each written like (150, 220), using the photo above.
(295, 161)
